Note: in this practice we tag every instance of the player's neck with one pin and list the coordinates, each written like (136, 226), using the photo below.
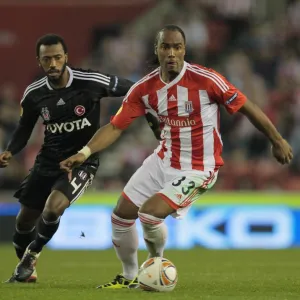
(168, 77)
(62, 83)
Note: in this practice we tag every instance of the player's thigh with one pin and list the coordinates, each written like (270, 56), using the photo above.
(185, 188)
(73, 189)
(145, 182)
(34, 190)
(126, 209)
(55, 205)
(156, 207)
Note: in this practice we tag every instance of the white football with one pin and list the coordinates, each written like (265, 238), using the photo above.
(157, 274)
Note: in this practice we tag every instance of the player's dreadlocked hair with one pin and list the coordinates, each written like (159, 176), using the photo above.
(48, 40)
(153, 62)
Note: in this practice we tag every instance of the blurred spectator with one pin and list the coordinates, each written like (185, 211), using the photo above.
(238, 70)
(9, 109)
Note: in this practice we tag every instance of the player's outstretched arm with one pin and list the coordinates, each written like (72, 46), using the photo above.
(20, 136)
(154, 125)
(17, 143)
(103, 137)
(281, 150)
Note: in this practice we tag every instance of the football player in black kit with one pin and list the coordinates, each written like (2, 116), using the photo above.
(68, 100)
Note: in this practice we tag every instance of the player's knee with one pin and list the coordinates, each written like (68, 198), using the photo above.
(149, 221)
(148, 209)
(156, 207)
(25, 226)
(153, 206)
(119, 213)
(126, 209)
(50, 216)
(127, 215)
(27, 218)
(52, 212)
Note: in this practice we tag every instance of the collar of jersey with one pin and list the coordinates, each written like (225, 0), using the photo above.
(69, 82)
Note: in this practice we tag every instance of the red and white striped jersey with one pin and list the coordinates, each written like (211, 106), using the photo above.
(188, 111)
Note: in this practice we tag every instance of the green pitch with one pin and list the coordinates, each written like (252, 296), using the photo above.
(211, 198)
(203, 274)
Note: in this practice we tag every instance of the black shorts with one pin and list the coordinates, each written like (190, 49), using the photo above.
(36, 187)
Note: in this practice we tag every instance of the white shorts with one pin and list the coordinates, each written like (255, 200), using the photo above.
(180, 189)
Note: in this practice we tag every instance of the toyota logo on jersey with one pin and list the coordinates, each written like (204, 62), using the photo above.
(79, 110)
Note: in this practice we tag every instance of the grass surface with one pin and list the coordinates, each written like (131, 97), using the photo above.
(203, 274)
(210, 198)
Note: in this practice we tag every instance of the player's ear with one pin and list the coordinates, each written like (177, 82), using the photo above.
(155, 49)
(38, 60)
(66, 57)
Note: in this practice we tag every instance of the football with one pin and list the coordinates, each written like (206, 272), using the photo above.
(157, 274)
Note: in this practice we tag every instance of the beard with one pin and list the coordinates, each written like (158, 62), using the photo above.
(173, 74)
(57, 80)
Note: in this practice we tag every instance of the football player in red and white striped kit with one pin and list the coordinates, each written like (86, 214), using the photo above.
(186, 99)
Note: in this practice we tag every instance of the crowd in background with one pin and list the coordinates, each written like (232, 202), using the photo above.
(259, 55)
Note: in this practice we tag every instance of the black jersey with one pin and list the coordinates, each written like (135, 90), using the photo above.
(71, 115)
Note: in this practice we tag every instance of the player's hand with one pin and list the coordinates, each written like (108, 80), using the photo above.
(5, 157)
(72, 162)
(282, 151)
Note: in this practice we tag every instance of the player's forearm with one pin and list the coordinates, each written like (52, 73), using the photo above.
(19, 139)
(258, 118)
(104, 137)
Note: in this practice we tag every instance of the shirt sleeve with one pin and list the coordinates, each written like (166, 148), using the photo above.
(107, 85)
(119, 86)
(21, 135)
(225, 93)
(131, 108)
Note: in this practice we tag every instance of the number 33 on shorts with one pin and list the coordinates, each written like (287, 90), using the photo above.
(187, 189)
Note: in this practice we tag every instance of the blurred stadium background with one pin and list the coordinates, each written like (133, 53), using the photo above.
(255, 44)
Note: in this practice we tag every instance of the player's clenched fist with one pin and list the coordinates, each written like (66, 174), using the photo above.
(72, 162)
(282, 151)
(5, 157)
